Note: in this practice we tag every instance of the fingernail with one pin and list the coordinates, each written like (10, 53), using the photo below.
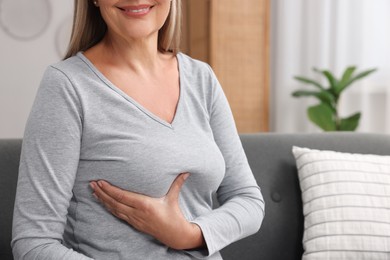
(92, 185)
(100, 183)
(186, 175)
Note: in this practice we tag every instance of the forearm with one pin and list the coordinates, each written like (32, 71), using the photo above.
(35, 248)
(237, 218)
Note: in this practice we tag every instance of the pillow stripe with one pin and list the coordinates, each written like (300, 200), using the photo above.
(386, 175)
(351, 200)
(347, 221)
(353, 255)
(343, 207)
(347, 194)
(346, 235)
(342, 182)
(341, 161)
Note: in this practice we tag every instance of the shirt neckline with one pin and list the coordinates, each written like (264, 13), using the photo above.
(146, 111)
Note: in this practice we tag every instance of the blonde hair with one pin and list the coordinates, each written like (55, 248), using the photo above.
(89, 28)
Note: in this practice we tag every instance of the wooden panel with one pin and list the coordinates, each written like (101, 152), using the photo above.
(239, 57)
(232, 36)
(197, 29)
(185, 32)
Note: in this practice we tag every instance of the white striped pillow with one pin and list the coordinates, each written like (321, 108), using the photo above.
(346, 204)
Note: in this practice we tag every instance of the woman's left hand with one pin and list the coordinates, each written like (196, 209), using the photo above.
(158, 217)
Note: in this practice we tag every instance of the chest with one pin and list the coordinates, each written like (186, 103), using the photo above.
(159, 94)
(137, 151)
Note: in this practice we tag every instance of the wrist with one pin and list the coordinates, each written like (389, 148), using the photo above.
(197, 237)
(192, 238)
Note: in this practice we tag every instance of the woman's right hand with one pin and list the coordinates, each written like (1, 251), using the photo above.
(159, 217)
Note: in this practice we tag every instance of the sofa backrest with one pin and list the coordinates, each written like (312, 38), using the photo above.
(272, 163)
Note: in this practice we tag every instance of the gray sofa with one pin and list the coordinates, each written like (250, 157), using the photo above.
(273, 165)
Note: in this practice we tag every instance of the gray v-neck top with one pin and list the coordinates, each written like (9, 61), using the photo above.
(83, 128)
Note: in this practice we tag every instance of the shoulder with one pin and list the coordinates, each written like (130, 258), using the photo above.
(198, 75)
(195, 67)
(72, 72)
(69, 67)
(199, 79)
(64, 76)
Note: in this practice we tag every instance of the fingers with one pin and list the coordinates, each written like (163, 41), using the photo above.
(123, 211)
(114, 203)
(117, 200)
(130, 199)
(121, 201)
(176, 186)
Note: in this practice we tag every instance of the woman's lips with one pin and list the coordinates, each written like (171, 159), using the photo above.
(136, 11)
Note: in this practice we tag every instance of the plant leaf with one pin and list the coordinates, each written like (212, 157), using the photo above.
(345, 78)
(323, 96)
(309, 81)
(304, 93)
(322, 116)
(331, 79)
(359, 76)
(350, 123)
(327, 98)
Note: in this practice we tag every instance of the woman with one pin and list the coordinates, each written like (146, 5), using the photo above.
(126, 145)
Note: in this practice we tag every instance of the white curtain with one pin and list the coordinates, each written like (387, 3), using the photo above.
(330, 34)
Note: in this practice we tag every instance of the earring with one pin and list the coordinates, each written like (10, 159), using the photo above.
(95, 3)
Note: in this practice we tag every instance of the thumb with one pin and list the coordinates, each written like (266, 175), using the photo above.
(174, 190)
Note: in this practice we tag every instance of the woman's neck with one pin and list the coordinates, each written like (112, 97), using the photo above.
(136, 54)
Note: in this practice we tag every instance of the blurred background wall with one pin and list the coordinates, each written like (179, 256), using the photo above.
(330, 34)
(33, 35)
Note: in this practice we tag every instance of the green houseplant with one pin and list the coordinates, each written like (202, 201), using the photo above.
(326, 114)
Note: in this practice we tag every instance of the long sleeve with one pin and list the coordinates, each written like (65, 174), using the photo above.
(242, 205)
(48, 166)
